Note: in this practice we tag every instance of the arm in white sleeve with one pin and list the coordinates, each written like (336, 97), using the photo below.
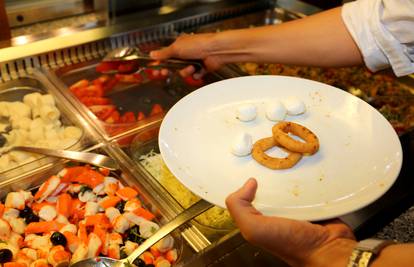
(384, 32)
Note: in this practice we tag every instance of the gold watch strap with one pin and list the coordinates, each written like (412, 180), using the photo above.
(359, 258)
(365, 250)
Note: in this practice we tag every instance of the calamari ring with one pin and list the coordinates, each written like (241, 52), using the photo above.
(258, 153)
(280, 134)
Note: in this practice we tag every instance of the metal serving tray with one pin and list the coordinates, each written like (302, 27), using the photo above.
(148, 199)
(214, 223)
(15, 90)
(127, 97)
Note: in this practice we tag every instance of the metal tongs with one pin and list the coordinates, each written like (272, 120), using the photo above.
(133, 53)
(85, 157)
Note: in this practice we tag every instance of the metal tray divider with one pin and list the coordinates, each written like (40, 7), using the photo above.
(59, 89)
(87, 125)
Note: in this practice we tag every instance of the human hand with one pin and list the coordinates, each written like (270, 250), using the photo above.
(191, 46)
(299, 243)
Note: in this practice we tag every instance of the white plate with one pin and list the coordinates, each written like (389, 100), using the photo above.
(359, 159)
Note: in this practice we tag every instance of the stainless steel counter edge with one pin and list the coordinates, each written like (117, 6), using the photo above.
(75, 37)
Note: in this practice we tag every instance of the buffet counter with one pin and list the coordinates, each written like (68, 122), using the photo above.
(124, 120)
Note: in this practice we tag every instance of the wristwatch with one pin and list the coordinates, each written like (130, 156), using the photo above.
(366, 250)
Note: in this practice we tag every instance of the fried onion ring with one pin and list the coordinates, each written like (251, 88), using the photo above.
(280, 134)
(258, 153)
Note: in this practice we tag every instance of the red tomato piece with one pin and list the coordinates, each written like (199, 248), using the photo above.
(79, 84)
(102, 111)
(107, 66)
(127, 67)
(128, 117)
(189, 80)
(140, 116)
(110, 84)
(156, 109)
(129, 78)
(154, 74)
(114, 117)
(101, 80)
(93, 90)
(78, 92)
(91, 101)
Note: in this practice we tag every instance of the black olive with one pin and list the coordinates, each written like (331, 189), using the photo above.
(139, 263)
(149, 265)
(3, 140)
(5, 255)
(34, 190)
(25, 212)
(58, 238)
(120, 206)
(133, 235)
(31, 218)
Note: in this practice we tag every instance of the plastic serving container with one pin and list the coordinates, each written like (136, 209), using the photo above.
(14, 91)
(127, 101)
(147, 199)
(144, 151)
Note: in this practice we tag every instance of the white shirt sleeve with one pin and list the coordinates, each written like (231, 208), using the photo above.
(384, 32)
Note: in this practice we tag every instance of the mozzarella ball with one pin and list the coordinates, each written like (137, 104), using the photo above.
(275, 111)
(246, 112)
(242, 145)
(295, 106)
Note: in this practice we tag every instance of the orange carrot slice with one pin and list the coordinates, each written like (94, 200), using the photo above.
(64, 205)
(78, 211)
(98, 219)
(73, 240)
(100, 232)
(82, 233)
(109, 202)
(127, 193)
(73, 172)
(14, 264)
(144, 213)
(155, 252)
(113, 252)
(147, 257)
(1, 209)
(89, 177)
(43, 227)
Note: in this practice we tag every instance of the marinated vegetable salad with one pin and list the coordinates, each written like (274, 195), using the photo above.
(81, 212)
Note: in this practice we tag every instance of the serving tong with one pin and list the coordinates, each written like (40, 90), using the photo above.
(133, 53)
(84, 157)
